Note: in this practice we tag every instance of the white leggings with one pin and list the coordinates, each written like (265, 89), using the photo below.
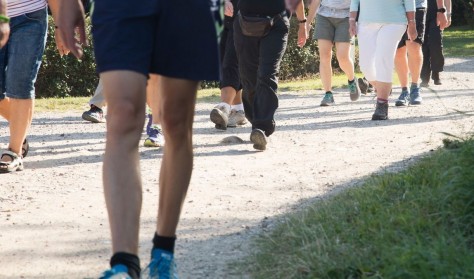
(377, 46)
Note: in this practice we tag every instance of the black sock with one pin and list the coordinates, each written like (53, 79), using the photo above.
(164, 243)
(351, 81)
(328, 92)
(404, 88)
(132, 262)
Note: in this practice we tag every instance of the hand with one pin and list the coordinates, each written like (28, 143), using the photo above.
(4, 33)
(449, 21)
(411, 31)
(441, 20)
(228, 8)
(71, 22)
(62, 49)
(302, 35)
(352, 28)
(308, 28)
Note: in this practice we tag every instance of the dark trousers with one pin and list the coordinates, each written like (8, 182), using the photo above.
(433, 57)
(259, 64)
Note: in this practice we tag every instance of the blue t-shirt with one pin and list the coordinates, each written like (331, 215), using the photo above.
(383, 11)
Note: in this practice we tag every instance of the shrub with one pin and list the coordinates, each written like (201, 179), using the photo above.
(463, 12)
(66, 76)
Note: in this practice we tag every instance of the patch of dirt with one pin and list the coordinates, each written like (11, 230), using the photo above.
(53, 222)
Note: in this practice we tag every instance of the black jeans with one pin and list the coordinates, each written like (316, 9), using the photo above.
(433, 57)
(259, 64)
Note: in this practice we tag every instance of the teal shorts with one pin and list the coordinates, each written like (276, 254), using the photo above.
(332, 29)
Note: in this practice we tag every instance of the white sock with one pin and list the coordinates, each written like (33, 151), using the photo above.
(238, 107)
(226, 105)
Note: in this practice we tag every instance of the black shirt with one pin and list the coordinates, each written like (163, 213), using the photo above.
(261, 7)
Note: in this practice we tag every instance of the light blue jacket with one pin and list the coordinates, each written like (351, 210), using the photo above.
(383, 11)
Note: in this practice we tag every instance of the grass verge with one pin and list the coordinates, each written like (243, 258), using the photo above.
(415, 224)
(459, 41)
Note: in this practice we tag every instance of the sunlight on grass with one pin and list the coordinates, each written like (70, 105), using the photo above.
(459, 41)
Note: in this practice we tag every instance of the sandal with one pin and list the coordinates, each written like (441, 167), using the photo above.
(25, 148)
(16, 164)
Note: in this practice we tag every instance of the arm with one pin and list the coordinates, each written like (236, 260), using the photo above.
(54, 7)
(313, 9)
(354, 10)
(228, 8)
(411, 29)
(449, 6)
(302, 34)
(441, 19)
(71, 20)
(4, 26)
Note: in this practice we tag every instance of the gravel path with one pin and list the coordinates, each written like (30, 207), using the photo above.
(53, 222)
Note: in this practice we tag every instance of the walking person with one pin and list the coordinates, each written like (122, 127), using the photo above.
(409, 59)
(437, 19)
(332, 28)
(261, 35)
(380, 27)
(23, 32)
(133, 39)
(230, 111)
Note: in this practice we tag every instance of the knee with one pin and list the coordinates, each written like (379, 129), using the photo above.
(177, 126)
(125, 117)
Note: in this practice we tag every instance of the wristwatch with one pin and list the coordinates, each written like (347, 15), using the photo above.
(442, 10)
(302, 21)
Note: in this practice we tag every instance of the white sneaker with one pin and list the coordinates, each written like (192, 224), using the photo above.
(236, 118)
(220, 116)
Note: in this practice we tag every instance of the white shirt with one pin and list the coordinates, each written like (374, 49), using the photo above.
(19, 7)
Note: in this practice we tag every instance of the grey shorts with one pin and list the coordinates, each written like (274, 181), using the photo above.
(332, 29)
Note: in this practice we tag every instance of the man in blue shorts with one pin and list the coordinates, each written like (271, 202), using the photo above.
(133, 39)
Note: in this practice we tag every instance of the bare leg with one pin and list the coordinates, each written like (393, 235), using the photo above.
(415, 60)
(19, 120)
(401, 65)
(325, 68)
(178, 101)
(345, 60)
(237, 98)
(153, 98)
(228, 95)
(125, 95)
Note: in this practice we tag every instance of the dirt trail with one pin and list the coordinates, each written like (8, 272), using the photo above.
(53, 222)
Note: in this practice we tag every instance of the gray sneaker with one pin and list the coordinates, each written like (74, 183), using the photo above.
(259, 140)
(94, 115)
(328, 100)
(403, 99)
(381, 111)
(220, 117)
(236, 118)
(354, 90)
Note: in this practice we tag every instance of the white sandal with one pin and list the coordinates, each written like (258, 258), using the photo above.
(16, 164)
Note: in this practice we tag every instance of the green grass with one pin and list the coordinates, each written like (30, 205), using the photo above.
(459, 41)
(415, 224)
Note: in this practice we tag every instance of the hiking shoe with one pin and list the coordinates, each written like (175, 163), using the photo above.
(415, 98)
(436, 79)
(220, 116)
(236, 118)
(437, 82)
(381, 111)
(354, 90)
(259, 140)
(364, 86)
(94, 115)
(403, 99)
(328, 100)
(118, 271)
(425, 83)
(162, 266)
(155, 137)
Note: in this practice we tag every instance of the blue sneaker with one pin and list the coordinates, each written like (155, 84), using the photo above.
(403, 99)
(155, 137)
(328, 100)
(162, 266)
(118, 271)
(415, 98)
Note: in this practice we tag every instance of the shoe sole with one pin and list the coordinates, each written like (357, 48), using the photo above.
(400, 104)
(379, 117)
(150, 143)
(354, 97)
(241, 123)
(327, 104)
(90, 118)
(363, 88)
(415, 103)
(218, 118)
(258, 139)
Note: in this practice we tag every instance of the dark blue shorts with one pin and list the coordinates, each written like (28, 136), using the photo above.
(170, 38)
